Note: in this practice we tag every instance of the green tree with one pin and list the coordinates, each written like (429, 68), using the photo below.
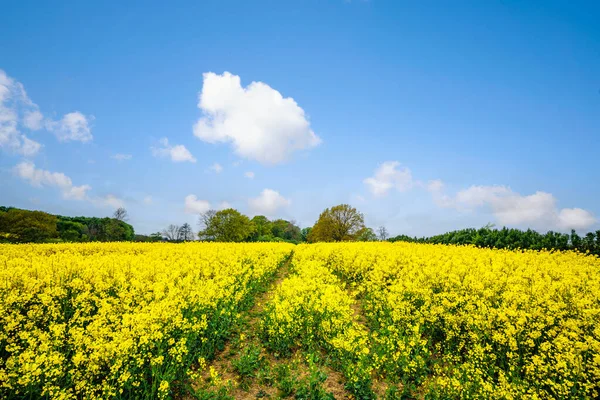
(263, 228)
(27, 226)
(225, 226)
(286, 230)
(305, 233)
(278, 228)
(71, 231)
(293, 232)
(575, 240)
(366, 235)
(339, 223)
(116, 231)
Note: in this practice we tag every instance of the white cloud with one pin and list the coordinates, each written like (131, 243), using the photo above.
(40, 178)
(77, 192)
(177, 153)
(476, 196)
(73, 126)
(515, 209)
(388, 177)
(29, 147)
(257, 120)
(121, 157)
(216, 168)
(224, 205)
(575, 218)
(13, 101)
(537, 210)
(195, 206)
(147, 200)
(435, 186)
(249, 174)
(18, 111)
(33, 120)
(110, 200)
(268, 202)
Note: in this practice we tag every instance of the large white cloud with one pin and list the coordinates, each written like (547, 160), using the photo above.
(177, 153)
(268, 203)
(40, 178)
(257, 120)
(193, 205)
(389, 176)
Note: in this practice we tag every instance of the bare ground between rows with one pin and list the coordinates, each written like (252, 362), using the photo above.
(253, 388)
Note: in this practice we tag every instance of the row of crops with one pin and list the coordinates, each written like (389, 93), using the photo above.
(388, 320)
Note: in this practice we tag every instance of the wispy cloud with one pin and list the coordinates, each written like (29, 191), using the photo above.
(177, 153)
(121, 157)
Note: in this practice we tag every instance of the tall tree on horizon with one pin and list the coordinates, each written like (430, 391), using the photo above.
(227, 225)
(340, 223)
(185, 233)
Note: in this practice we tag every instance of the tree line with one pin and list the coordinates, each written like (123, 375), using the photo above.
(507, 238)
(339, 223)
(335, 224)
(230, 225)
(25, 226)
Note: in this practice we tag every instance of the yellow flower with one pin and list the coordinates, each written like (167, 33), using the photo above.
(163, 389)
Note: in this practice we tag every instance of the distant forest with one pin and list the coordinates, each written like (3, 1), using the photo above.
(24, 226)
(506, 238)
(340, 223)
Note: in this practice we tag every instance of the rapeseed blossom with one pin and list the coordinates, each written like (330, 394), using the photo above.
(463, 322)
(107, 320)
(139, 320)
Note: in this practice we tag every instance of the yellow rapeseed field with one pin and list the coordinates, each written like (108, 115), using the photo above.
(118, 319)
(401, 320)
(458, 322)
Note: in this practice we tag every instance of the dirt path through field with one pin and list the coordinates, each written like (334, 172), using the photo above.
(244, 335)
(246, 369)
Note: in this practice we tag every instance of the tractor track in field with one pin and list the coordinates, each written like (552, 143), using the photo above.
(247, 335)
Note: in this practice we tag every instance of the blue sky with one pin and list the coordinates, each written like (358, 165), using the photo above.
(427, 117)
